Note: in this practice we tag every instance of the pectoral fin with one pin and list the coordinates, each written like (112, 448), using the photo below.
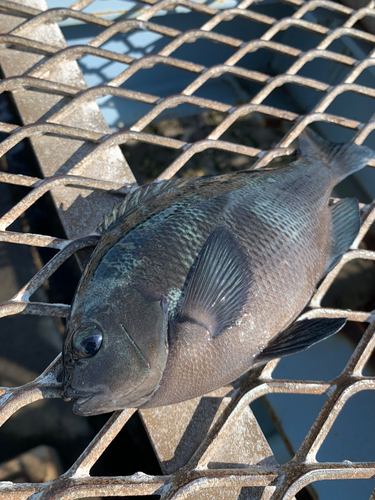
(300, 336)
(345, 225)
(218, 285)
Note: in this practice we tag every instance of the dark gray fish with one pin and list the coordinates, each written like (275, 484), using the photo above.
(194, 281)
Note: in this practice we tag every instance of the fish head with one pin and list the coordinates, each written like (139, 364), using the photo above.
(115, 350)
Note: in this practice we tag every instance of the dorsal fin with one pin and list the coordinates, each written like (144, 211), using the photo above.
(135, 198)
(219, 284)
(345, 225)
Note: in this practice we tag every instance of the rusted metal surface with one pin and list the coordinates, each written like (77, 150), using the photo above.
(210, 447)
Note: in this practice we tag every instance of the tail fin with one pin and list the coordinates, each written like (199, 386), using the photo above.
(343, 159)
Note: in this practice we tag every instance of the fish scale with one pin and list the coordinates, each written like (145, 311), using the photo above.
(195, 281)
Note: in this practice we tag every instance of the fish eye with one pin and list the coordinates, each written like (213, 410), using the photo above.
(87, 341)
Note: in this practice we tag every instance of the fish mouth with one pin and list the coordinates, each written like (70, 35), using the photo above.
(87, 405)
(80, 401)
(96, 403)
(82, 408)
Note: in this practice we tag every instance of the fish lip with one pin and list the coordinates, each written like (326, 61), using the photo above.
(70, 394)
(81, 400)
(80, 403)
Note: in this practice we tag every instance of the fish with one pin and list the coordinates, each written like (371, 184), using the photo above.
(196, 281)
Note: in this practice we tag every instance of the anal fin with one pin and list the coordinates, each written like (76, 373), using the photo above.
(300, 336)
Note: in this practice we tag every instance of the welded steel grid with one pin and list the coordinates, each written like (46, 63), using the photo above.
(29, 34)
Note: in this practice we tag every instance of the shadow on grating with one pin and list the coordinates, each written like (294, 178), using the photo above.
(129, 453)
(148, 161)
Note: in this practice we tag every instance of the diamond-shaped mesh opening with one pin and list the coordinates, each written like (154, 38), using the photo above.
(229, 89)
(267, 60)
(369, 369)
(278, 10)
(360, 107)
(334, 129)
(365, 77)
(133, 438)
(296, 37)
(361, 24)
(148, 161)
(204, 52)
(48, 422)
(338, 44)
(356, 446)
(81, 33)
(214, 161)
(281, 97)
(256, 130)
(250, 29)
(173, 20)
(324, 70)
(344, 489)
(22, 360)
(328, 18)
(100, 71)
(287, 411)
(122, 113)
(160, 80)
(353, 287)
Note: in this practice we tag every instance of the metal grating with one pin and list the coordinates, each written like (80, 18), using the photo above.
(60, 116)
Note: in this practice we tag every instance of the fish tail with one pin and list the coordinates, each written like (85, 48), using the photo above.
(342, 159)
